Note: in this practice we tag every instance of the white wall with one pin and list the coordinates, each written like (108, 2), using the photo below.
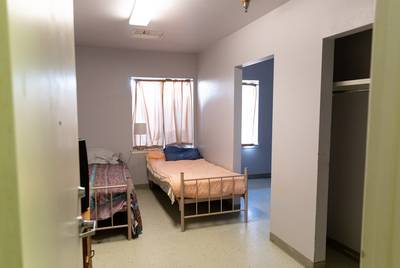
(104, 96)
(293, 33)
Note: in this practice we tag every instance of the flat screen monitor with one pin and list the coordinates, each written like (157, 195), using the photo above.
(84, 174)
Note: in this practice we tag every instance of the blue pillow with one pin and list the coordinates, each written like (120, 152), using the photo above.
(173, 149)
(174, 153)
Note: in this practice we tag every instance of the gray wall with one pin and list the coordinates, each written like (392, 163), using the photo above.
(104, 93)
(258, 158)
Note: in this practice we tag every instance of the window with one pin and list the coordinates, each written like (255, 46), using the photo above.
(166, 108)
(250, 99)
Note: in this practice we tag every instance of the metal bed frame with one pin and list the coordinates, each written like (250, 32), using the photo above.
(183, 201)
(129, 188)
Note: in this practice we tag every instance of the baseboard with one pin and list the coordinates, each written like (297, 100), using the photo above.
(260, 176)
(303, 260)
(343, 249)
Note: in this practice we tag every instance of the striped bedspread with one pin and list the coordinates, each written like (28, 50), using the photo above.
(112, 200)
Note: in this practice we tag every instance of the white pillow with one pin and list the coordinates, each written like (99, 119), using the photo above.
(102, 156)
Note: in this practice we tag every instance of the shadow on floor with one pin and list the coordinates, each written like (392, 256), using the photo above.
(172, 210)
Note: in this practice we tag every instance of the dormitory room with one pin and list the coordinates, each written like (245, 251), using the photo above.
(199, 133)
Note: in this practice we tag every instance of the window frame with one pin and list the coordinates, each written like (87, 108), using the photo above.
(133, 82)
(255, 83)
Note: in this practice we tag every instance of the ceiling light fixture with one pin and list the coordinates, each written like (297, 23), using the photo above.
(142, 13)
(245, 4)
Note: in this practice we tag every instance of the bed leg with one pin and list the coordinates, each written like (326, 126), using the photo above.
(182, 216)
(129, 209)
(246, 196)
(182, 202)
(151, 184)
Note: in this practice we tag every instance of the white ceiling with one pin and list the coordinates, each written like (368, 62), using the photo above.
(188, 25)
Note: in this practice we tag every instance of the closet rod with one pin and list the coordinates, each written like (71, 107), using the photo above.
(350, 91)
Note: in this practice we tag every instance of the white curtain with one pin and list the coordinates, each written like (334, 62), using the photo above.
(250, 114)
(178, 112)
(166, 107)
(147, 108)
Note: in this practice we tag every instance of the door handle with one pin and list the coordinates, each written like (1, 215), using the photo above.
(87, 224)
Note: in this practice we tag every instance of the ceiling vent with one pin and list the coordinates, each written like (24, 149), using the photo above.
(147, 34)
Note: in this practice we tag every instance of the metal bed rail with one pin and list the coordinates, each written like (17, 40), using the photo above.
(221, 197)
(129, 189)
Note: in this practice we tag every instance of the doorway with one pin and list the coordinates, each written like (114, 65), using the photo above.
(253, 132)
(256, 119)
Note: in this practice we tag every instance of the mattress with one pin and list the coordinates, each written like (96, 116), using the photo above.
(105, 175)
(167, 175)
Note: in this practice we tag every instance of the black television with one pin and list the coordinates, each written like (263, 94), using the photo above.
(84, 174)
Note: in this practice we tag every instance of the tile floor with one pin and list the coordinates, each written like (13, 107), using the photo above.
(220, 241)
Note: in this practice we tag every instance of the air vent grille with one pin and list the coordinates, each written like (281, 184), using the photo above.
(147, 34)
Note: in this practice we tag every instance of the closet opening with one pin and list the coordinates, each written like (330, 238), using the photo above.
(253, 130)
(350, 59)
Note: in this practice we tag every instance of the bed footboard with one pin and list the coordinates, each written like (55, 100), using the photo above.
(221, 197)
(129, 189)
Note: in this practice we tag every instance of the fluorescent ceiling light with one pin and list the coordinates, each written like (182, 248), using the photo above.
(142, 13)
